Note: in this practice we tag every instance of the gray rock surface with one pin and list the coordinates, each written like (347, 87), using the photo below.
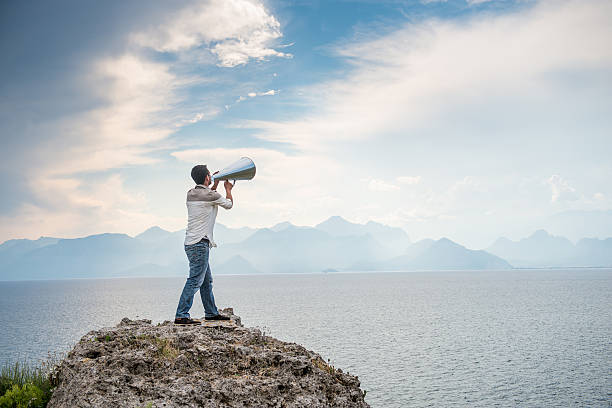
(218, 364)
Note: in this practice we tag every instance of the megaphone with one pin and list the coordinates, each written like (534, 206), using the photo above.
(243, 169)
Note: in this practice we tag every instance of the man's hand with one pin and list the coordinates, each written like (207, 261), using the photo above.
(214, 187)
(228, 190)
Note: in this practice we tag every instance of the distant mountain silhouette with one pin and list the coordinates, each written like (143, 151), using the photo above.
(337, 226)
(334, 245)
(444, 254)
(577, 224)
(594, 252)
(93, 256)
(394, 240)
(295, 249)
(542, 249)
(284, 225)
(236, 265)
(285, 248)
(281, 226)
(418, 248)
(539, 249)
(227, 235)
(153, 234)
(12, 250)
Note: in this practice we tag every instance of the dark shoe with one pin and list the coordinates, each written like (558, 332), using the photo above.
(185, 321)
(217, 317)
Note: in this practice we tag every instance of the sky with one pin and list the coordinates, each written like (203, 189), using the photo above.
(468, 119)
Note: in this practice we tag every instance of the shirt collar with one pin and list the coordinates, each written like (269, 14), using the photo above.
(201, 186)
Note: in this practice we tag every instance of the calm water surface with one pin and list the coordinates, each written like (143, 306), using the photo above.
(480, 339)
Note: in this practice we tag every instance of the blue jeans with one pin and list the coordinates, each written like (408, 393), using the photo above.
(200, 278)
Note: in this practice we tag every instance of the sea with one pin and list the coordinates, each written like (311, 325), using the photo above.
(519, 338)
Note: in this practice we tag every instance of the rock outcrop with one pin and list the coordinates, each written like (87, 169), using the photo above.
(218, 364)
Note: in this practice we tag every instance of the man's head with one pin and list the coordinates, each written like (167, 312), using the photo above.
(200, 174)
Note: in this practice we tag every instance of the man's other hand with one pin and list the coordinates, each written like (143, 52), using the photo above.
(216, 183)
(228, 190)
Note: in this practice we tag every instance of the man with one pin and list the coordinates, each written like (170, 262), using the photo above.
(202, 206)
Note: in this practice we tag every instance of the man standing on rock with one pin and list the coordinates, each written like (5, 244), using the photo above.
(202, 206)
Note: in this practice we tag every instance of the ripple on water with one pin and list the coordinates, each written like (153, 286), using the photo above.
(481, 339)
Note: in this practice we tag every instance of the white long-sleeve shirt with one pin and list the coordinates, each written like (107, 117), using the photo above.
(202, 206)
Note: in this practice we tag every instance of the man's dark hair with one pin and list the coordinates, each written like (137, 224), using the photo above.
(199, 173)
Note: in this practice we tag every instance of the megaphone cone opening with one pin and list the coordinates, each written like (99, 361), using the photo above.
(243, 169)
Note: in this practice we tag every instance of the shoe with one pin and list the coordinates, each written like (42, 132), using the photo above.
(217, 317)
(186, 321)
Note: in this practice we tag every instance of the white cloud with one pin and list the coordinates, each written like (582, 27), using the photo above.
(271, 92)
(238, 52)
(491, 96)
(468, 183)
(381, 185)
(200, 116)
(140, 96)
(252, 95)
(140, 101)
(73, 208)
(442, 99)
(407, 80)
(286, 186)
(138, 111)
(409, 179)
(561, 189)
(236, 31)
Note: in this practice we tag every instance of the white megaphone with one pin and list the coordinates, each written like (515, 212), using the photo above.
(243, 169)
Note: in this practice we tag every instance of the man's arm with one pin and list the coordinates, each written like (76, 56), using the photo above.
(215, 184)
(228, 201)
(228, 190)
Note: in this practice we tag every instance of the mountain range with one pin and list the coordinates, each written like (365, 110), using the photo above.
(333, 245)
(542, 250)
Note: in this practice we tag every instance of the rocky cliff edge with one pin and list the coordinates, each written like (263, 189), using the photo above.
(218, 364)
